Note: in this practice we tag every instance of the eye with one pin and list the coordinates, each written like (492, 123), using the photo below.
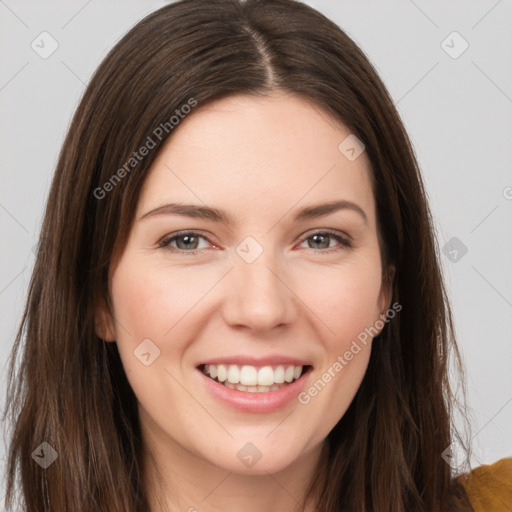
(320, 237)
(187, 239)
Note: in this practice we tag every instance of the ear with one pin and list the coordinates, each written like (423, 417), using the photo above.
(104, 324)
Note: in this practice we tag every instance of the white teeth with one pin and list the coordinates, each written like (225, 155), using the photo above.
(251, 378)
(248, 376)
(222, 373)
(233, 374)
(279, 375)
(265, 376)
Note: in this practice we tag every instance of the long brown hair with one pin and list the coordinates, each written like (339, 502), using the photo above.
(70, 389)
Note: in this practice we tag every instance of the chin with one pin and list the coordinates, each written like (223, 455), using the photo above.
(255, 458)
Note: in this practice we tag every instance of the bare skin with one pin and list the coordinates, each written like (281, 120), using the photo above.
(260, 160)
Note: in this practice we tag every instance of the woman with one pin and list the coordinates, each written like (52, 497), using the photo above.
(187, 344)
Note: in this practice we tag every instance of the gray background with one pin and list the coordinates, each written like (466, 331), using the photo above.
(456, 110)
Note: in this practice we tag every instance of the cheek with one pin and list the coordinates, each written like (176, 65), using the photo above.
(347, 308)
(346, 300)
(149, 305)
(149, 301)
(161, 304)
(138, 304)
(146, 307)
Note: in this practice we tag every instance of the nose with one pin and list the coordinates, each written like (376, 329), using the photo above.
(259, 296)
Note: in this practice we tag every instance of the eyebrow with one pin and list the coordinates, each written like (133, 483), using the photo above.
(217, 215)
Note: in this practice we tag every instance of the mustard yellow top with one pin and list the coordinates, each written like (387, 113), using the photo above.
(489, 487)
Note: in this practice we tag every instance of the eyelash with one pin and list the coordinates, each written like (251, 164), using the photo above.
(345, 242)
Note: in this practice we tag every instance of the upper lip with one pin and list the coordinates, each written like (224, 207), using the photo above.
(257, 361)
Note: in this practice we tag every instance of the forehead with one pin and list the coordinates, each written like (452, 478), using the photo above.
(270, 152)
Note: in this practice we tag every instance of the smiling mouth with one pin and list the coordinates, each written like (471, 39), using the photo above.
(254, 379)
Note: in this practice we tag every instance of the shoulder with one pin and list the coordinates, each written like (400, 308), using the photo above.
(489, 487)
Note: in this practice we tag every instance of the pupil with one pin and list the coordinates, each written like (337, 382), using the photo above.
(319, 236)
(187, 240)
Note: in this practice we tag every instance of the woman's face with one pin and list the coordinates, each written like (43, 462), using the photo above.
(247, 275)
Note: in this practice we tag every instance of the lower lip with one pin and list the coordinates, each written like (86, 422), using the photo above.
(244, 401)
